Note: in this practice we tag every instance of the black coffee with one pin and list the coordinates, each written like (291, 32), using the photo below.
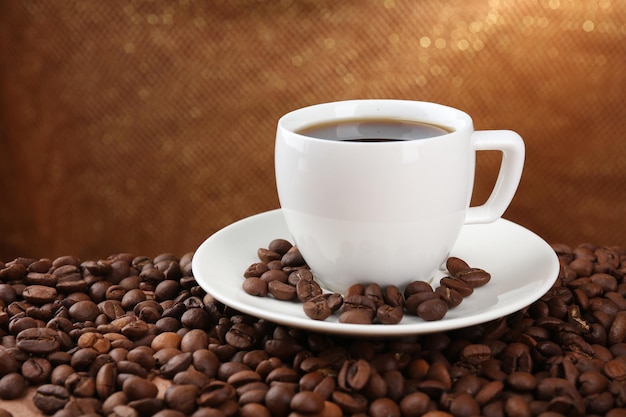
(374, 130)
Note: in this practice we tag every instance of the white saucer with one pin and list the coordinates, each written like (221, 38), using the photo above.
(523, 267)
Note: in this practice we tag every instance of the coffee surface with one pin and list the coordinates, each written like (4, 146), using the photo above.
(373, 130)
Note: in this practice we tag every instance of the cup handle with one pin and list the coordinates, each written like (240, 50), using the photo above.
(512, 147)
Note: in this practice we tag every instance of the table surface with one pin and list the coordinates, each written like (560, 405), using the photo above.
(574, 335)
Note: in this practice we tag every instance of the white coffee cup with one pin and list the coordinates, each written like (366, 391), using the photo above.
(385, 212)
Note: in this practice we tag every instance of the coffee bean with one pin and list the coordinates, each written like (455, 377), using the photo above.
(36, 370)
(176, 364)
(300, 274)
(350, 402)
(456, 265)
(181, 398)
(195, 318)
(474, 277)
(317, 308)
(280, 246)
(12, 385)
(38, 340)
(451, 296)
(307, 289)
(387, 314)
(414, 404)
(433, 309)
(278, 398)
(360, 302)
(281, 290)
(415, 287)
(274, 275)
(266, 255)
(293, 257)
(354, 375)
(356, 316)
(39, 294)
(85, 310)
(215, 393)
(415, 299)
(307, 402)
(255, 270)
(393, 297)
(50, 398)
(241, 336)
(137, 388)
(454, 283)
(255, 286)
(8, 362)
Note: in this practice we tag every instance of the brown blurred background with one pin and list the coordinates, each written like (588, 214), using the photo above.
(145, 126)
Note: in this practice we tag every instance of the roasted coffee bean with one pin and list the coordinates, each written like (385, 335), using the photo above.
(433, 309)
(522, 381)
(176, 364)
(39, 294)
(350, 403)
(105, 380)
(387, 314)
(307, 402)
(415, 404)
(255, 286)
(51, 398)
(335, 301)
(415, 299)
(360, 302)
(307, 289)
(474, 277)
(354, 375)
(81, 385)
(195, 318)
(292, 257)
(215, 393)
(84, 311)
(281, 290)
(137, 388)
(393, 297)
(356, 316)
(166, 340)
(464, 289)
(274, 275)
(280, 246)
(241, 336)
(375, 293)
(317, 308)
(36, 370)
(12, 385)
(451, 296)
(475, 353)
(355, 289)
(8, 294)
(12, 272)
(206, 361)
(38, 340)
(181, 398)
(267, 255)
(415, 287)
(255, 270)
(300, 274)
(456, 265)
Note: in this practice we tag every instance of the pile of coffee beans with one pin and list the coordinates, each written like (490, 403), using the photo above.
(283, 273)
(136, 336)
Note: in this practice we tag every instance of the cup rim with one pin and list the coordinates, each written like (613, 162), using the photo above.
(456, 120)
